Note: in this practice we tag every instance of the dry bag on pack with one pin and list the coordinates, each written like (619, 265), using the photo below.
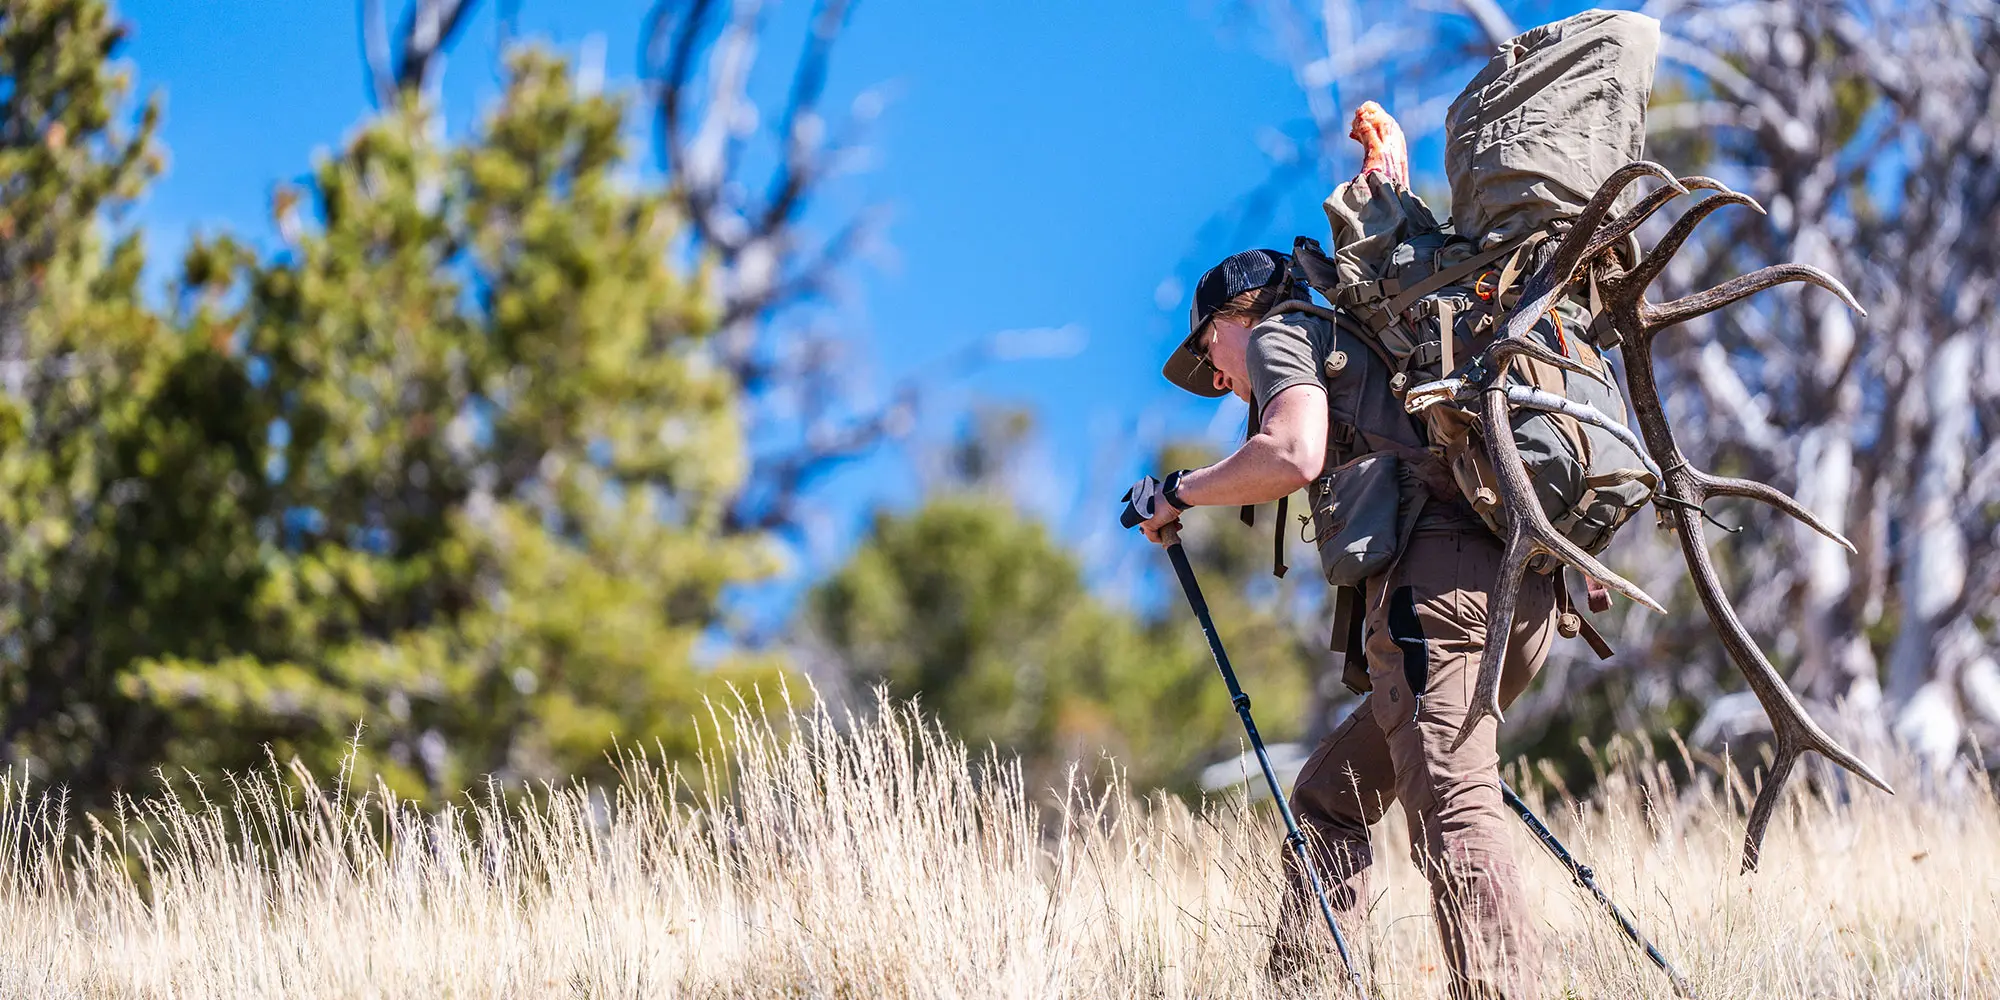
(1529, 141)
(1555, 112)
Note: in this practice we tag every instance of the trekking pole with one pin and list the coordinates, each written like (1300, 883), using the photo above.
(1242, 702)
(1587, 879)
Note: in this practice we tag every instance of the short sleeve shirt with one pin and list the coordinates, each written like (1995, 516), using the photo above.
(1293, 348)
(1363, 414)
(1285, 351)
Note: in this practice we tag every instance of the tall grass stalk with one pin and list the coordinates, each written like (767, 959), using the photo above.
(830, 857)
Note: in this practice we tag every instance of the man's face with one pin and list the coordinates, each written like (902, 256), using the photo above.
(1223, 344)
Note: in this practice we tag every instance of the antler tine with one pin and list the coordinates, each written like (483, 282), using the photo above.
(1766, 806)
(1626, 224)
(1629, 292)
(1742, 287)
(1495, 356)
(1670, 244)
(1501, 603)
(1722, 486)
(1529, 533)
(1548, 282)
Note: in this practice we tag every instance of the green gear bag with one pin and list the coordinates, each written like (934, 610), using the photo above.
(1556, 111)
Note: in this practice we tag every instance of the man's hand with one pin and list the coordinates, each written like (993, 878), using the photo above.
(1163, 515)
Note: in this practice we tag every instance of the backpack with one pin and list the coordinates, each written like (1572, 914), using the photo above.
(1531, 137)
(1588, 469)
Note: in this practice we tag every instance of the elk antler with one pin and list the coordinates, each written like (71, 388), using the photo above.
(1529, 532)
(1625, 225)
(1542, 288)
(1684, 489)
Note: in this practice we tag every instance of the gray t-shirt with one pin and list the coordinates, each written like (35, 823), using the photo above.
(1293, 348)
(1285, 351)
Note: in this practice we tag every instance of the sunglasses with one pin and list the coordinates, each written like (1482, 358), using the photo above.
(1198, 344)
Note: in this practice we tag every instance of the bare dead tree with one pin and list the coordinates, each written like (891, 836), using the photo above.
(1872, 132)
(1410, 59)
(697, 56)
(426, 31)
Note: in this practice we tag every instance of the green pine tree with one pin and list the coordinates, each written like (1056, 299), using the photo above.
(82, 362)
(453, 463)
(498, 468)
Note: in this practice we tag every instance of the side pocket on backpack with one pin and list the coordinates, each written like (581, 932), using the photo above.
(1356, 518)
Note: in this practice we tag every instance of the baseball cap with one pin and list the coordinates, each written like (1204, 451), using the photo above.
(1238, 273)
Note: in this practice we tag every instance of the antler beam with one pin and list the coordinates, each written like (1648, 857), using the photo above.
(1682, 490)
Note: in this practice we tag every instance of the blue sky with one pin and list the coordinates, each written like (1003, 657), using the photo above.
(1042, 165)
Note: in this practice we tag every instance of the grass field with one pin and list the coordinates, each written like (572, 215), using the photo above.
(865, 859)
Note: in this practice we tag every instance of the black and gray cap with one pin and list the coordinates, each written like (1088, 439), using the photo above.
(1239, 273)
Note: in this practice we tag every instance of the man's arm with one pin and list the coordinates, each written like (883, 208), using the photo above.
(1285, 454)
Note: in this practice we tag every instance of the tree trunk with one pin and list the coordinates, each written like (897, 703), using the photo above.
(1923, 678)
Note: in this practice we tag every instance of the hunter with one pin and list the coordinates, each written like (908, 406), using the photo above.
(1456, 390)
(1363, 404)
(1420, 634)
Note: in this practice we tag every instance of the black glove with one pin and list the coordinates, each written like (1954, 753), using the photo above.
(1142, 501)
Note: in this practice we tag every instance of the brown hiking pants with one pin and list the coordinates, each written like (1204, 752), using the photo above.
(1424, 631)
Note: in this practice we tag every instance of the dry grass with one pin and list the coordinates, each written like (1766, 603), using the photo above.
(878, 859)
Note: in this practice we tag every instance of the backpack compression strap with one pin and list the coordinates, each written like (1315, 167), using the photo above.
(1453, 275)
(1378, 304)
